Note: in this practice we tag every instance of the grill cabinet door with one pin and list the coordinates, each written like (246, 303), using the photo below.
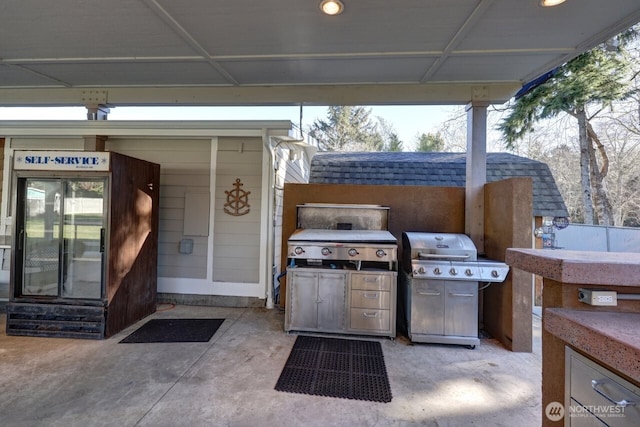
(427, 307)
(316, 300)
(303, 310)
(331, 301)
(461, 308)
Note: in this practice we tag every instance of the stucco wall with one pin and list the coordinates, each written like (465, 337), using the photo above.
(508, 218)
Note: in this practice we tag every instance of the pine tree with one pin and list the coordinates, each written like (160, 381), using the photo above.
(429, 142)
(347, 128)
(582, 88)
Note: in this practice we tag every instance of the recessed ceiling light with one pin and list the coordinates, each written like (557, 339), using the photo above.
(550, 3)
(331, 7)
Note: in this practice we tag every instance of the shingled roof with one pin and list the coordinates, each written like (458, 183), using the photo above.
(437, 169)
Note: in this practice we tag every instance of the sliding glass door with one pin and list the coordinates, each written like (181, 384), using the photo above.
(61, 237)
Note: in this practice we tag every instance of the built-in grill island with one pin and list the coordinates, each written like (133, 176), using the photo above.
(439, 286)
(342, 272)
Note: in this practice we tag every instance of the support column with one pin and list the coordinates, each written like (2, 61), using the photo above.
(476, 172)
(97, 112)
(95, 143)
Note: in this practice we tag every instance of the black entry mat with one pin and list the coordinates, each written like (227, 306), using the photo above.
(175, 330)
(334, 367)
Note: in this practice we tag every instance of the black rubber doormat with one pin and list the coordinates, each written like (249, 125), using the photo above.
(174, 330)
(334, 367)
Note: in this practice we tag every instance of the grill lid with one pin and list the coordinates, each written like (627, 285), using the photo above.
(448, 256)
(439, 246)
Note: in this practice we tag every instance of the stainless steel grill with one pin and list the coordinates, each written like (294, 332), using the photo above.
(342, 273)
(439, 287)
(449, 256)
(354, 246)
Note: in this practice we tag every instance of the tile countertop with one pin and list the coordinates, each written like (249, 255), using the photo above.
(580, 267)
(609, 337)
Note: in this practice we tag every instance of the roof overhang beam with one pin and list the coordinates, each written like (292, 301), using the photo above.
(364, 94)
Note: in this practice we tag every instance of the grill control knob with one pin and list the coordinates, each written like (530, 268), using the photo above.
(325, 251)
(380, 253)
(298, 250)
(453, 272)
(494, 273)
(353, 252)
(421, 270)
(437, 271)
(468, 272)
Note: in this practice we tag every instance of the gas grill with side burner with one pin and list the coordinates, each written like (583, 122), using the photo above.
(439, 287)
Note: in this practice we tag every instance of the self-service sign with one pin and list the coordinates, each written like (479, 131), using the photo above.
(61, 160)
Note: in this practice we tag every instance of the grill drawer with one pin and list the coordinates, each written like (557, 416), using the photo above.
(370, 319)
(370, 299)
(371, 281)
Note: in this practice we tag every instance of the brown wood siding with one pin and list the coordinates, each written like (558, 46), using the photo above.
(133, 241)
(412, 208)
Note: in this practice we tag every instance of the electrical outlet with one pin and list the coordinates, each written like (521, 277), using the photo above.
(597, 297)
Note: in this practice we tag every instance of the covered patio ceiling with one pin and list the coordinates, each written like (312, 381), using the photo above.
(283, 52)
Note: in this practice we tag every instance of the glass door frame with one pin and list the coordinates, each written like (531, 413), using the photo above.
(18, 248)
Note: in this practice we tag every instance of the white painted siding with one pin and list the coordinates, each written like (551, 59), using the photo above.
(236, 243)
(47, 143)
(293, 166)
(230, 261)
(184, 167)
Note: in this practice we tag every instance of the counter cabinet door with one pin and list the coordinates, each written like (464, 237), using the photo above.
(590, 386)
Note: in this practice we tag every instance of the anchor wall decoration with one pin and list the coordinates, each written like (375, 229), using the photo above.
(237, 200)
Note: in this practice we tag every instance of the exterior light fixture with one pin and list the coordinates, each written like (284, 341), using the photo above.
(551, 3)
(331, 7)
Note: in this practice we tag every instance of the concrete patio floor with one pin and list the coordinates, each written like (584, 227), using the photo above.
(230, 380)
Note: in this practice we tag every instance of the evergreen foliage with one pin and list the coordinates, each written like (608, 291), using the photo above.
(596, 76)
(347, 128)
(581, 88)
(430, 142)
(351, 128)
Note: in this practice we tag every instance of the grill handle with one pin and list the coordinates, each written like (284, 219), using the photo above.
(423, 255)
(429, 293)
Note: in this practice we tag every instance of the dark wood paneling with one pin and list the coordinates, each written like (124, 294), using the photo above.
(133, 241)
